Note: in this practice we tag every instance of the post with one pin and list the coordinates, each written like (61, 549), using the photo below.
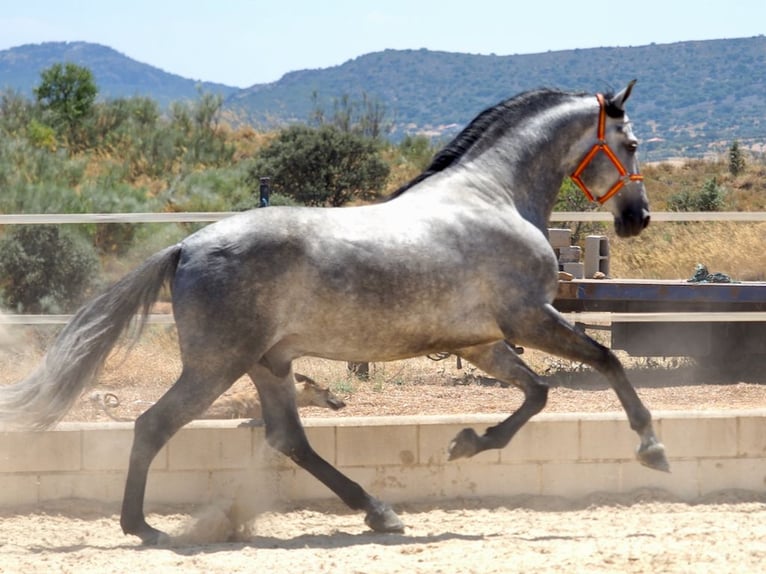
(265, 192)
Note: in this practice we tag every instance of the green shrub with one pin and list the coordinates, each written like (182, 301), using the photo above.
(44, 269)
(710, 197)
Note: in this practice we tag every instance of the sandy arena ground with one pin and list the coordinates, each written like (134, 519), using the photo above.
(641, 532)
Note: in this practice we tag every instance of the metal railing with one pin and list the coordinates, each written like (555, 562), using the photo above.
(210, 216)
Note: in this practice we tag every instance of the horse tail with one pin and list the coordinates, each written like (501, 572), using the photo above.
(80, 350)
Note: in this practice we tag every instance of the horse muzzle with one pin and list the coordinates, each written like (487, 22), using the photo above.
(631, 222)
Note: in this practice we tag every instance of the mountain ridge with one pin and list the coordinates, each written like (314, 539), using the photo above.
(691, 98)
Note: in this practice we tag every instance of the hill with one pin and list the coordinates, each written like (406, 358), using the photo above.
(116, 75)
(692, 97)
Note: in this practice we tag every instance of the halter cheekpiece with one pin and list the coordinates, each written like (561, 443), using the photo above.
(602, 147)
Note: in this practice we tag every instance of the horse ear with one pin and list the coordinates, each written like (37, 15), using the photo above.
(622, 96)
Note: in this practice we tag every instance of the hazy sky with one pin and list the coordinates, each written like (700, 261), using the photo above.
(241, 43)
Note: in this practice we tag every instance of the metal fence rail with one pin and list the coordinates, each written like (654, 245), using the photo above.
(209, 216)
(584, 317)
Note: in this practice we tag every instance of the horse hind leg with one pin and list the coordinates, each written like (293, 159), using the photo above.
(285, 433)
(548, 331)
(194, 391)
(501, 361)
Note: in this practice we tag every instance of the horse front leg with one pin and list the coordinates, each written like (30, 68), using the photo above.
(545, 329)
(501, 361)
(285, 433)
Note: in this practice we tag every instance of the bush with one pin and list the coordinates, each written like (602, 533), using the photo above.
(711, 197)
(321, 166)
(215, 189)
(44, 269)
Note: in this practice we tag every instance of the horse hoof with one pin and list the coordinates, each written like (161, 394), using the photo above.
(464, 445)
(153, 537)
(653, 456)
(383, 519)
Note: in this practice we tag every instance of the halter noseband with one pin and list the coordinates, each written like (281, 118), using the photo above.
(602, 146)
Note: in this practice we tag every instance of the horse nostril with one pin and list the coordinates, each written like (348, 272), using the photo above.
(647, 219)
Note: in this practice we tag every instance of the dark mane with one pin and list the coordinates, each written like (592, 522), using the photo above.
(486, 127)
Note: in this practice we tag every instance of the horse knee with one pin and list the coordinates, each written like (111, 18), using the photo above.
(537, 397)
(294, 445)
(150, 433)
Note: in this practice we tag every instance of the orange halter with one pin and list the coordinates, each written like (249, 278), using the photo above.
(602, 146)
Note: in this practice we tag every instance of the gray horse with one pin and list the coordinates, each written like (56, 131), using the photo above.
(457, 261)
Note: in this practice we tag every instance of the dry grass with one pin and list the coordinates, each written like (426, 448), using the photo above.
(672, 250)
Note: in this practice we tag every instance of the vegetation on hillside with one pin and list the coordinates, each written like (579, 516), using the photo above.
(692, 98)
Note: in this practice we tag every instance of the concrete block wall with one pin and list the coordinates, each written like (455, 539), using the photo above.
(398, 459)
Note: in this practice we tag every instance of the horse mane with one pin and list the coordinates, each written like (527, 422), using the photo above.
(492, 122)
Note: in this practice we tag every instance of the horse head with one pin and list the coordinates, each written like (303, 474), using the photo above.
(608, 173)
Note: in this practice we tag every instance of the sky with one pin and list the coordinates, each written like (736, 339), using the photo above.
(242, 43)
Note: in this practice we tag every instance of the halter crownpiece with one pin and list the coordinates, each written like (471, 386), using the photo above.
(602, 147)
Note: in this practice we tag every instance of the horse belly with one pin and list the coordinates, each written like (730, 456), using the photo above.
(348, 332)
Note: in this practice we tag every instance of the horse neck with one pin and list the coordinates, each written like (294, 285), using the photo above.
(529, 166)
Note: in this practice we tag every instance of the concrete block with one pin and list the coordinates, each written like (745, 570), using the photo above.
(578, 479)
(322, 440)
(297, 484)
(570, 254)
(470, 481)
(377, 445)
(596, 255)
(102, 486)
(210, 448)
(434, 440)
(607, 439)
(398, 459)
(18, 489)
(543, 440)
(459, 480)
(107, 449)
(559, 238)
(508, 479)
(751, 436)
(56, 450)
(682, 480)
(399, 483)
(178, 487)
(253, 489)
(577, 270)
(732, 473)
(409, 483)
(700, 437)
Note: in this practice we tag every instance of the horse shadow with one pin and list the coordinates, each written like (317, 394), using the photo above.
(335, 540)
(325, 541)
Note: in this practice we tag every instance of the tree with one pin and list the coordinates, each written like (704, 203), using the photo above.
(736, 159)
(710, 197)
(67, 92)
(366, 118)
(418, 150)
(321, 166)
